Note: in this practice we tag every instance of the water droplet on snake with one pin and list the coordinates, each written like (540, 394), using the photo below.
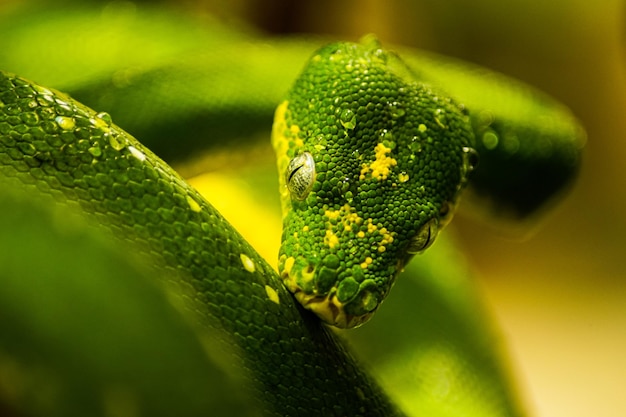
(441, 119)
(396, 110)
(470, 161)
(115, 141)
(348, 119)
(65, 123)
(105, 117)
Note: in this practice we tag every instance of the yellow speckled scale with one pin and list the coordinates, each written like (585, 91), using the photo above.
(380, 167)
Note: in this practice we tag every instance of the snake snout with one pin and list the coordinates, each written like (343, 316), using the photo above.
(340, 297)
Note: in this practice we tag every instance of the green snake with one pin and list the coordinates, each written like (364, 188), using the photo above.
(373, 152)
(373, 165)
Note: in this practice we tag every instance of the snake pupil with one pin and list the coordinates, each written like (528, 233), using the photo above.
(293, 173)
(301, 175)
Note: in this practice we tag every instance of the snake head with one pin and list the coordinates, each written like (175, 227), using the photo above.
(371, 164)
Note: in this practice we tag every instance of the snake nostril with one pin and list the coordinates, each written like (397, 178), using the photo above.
(310, 269)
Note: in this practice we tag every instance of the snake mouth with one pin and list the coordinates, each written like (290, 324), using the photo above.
(345, 302)
(330, 310)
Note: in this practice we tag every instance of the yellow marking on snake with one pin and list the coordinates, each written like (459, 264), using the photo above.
(294, 130)
(332, 214)
(248, 264)
(352, 217)
(367, 262)
(340, 220)
(381, 166)
(193, 204)
(331, 239)
(386, 240)
(285, 141)
(289, 264)
(348, 215)
(272, 294)
(289, 279)
(344, 219)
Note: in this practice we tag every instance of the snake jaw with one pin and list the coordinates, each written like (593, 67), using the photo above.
(341, 303)
(331, 310)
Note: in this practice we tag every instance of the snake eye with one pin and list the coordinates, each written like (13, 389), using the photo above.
(445, 214)
(424, 237)
(300, 176)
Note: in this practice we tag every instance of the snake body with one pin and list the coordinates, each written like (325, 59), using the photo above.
(76, 154)
(372, 160)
